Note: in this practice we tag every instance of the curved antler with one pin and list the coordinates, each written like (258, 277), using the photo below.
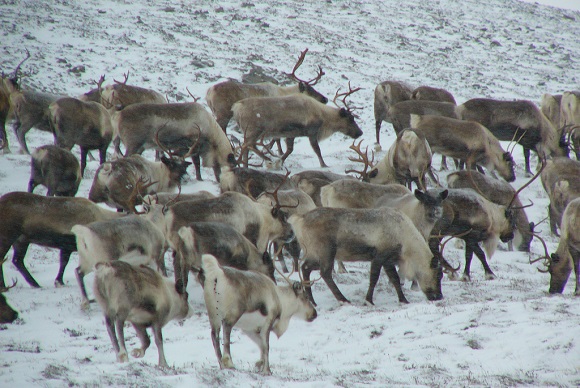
(314, 80)
(126, 75)
(518, 191)
(139, 187)
(344, 96)
(363, 158)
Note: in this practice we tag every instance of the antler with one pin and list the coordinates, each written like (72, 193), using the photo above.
(14, 76)
(172, 200)
(14, 281)
(303, 282)
(106, 103)
(138, 188)
(527, 184)
(191, 95)
(274, 194)
(314, 80)
(344, 96)
(126, 75)
(363, 158)
(547, 259)
(173, 154)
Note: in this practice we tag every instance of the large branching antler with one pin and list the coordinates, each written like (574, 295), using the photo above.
(16, 74)
(363, 158)
(518, 191)
(344, 96)
(314, 80)
(139, 188)
(174, 154)
(274, 194)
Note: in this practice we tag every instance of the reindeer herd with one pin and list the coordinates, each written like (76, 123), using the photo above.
(229, 241)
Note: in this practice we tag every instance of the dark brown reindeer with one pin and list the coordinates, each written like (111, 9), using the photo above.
(521, 120)
(57, 169)
(293, 116)
(222, 96)
(47, 221)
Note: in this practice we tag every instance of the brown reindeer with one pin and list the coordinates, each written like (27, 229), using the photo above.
(293, 116)
(222, 96)
(387, 94)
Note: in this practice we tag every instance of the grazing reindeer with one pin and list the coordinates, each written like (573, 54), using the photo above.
(221, 97)
(120, 95)
(115, 181)
(175, 127)
(387, 94)
(221, 240)
(290, 117)
(468, 141)
(57, 169)
(402, 111)
(141, 296)
(7, 313)
(499, 192)
(386, 237)
(560, 180)
(567, 256)
(251, 301)
(252, 182)
(521, 120)
(87, 124)
(47, 221)
(311, 181)
(432, 94)
(474, 219)
(108, 240)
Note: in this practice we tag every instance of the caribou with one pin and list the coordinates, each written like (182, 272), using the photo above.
(251, 301)
(432, 94)
(290, 117)
(222, 96)
(387, 94)
(57, 169)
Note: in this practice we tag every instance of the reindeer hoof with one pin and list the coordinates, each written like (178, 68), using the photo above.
(369, 303)
(137, 353)
(377, 147)
(489, 276)
(85, 305)
(227, 362)
(122, 357)
(58, 284)
(465, 278)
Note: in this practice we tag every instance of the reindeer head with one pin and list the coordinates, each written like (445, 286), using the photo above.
(306, 87)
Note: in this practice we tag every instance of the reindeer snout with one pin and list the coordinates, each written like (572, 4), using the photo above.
(313, 316)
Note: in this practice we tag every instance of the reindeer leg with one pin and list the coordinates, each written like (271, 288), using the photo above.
(316, 148)
(265, 348)
(527, 161)
(469, 249)
(308, 267)
(21, 129)
(215, 339)
(157, 333)
(227, 358)
(197, 163)
(280, 258)
(113, 336)
(375, 273)
(83, 160)
(289, 148)
(326, 267)
(395, 281)
(145, 341)
(378, 130)
(576, 259)
(80, 275)
(20, 247)
(64, 259)
(489, 275)
(122, 353)
(444, 163)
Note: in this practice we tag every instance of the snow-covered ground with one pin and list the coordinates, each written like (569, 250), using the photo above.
(504, 332)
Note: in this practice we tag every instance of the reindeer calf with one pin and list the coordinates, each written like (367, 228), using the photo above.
(252, 302)
(57, 169)
(141, 296)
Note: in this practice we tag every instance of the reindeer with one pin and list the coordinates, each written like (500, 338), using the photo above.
(499, 192)
(119, 95)
(520, 120)
(387, 94)
(474, 219)
(87, 124)
(166, 197)
(222, 241)
(222, 96)
(251, 181)
(567, 256)
(57, 169)
(173, 127)
(47, 221)
(295, 201)
(30, 107)
(290, 117)
(115, 181)
(141, 296)
(4, 113)
(401, 112)
(312, 181)
(468, 141)
(7, 313)
(354, 194)
(386, 237)
(570, 118)
(407, 160)
(252, 302)
(103, 241)
(430, 93)
(560, 180)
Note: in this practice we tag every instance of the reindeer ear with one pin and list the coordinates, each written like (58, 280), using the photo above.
(275, 212)
(444, 194)
(301, 87)
(297, 288)
(434, 262)
(555, 257)
(419, 195)
(266, 259)
(374, 173)
(165, 160)
(343, 112)
(231, 160)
